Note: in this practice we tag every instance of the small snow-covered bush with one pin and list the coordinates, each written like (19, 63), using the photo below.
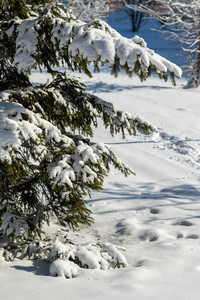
(67, 259)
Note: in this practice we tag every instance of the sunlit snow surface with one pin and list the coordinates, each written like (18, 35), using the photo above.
(154, 215)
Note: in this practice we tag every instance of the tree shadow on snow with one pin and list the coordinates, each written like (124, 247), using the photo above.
(39, 267)
(102, 87)
(132, 142)
(184, 198)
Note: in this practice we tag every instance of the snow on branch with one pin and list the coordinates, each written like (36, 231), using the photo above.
(92, 107)
(79, 44)
(121, 121)
(87, 164)
(75, 108)
(20, 126)
(43, 161)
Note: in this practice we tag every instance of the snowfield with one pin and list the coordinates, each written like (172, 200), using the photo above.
(154, 216)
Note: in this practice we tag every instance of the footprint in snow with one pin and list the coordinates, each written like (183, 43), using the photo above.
(192, 236)
(189, 236)
(132, 227)
(142, 263)
(183, 223)
(149, 236)
(154, 211)
(189, 148)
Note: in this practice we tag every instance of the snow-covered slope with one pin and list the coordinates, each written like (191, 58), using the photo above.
(153, 215)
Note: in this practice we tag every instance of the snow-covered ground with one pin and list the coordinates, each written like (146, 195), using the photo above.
(154, 215)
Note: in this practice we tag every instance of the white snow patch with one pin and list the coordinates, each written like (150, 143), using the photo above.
(63, 268)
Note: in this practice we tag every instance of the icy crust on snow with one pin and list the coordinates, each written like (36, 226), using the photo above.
(14, 129)
(94, 42)
(66, 260)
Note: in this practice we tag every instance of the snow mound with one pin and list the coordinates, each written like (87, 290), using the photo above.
(63, 268)
(141, 232)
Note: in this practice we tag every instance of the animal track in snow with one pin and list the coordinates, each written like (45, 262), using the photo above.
(184, 223)
(154, 211)
(141, 232)
(188, 149)
(148, 235)
(142, 263)
(192, 236)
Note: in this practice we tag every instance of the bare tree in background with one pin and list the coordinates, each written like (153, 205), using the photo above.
(137, 16)
(88, 10)
(180, 20)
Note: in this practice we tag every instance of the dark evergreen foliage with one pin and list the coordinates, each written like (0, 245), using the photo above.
(51, 165)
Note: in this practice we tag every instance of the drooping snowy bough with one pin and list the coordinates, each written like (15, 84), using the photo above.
(46, 40)
(47, 163)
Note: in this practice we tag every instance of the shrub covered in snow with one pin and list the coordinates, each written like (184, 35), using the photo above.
(67, 259)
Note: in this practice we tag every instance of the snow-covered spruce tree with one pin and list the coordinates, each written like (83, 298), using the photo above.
(88, 10)
(180, 21)
(46, 166)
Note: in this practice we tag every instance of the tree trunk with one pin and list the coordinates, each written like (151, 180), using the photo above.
(194, 80)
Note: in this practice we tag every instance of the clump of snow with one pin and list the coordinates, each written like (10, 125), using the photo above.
(138, 40)
(32, 250)
(59, 250)
(128, 226)
(63, 268)
(78, 165)
(14, 129)
(88, 258)
(13, 224)
(118, 258)
(1, 253)
(26, 44)
(62, 172)
(10, 114)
